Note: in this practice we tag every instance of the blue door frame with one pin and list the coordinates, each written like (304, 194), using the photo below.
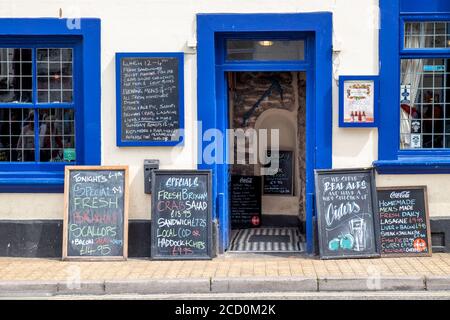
(212, 97)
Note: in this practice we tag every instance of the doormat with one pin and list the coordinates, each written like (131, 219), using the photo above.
(267, 240)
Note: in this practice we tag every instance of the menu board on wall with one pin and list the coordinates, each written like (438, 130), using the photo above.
(149, 98)
(96, 214)
(347, 214)
(181, 214)
(404, 223)
(245, 201)
(280, 183)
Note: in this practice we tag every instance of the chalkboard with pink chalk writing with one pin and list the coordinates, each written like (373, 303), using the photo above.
(404, 222)
(347, 215)
(96, 217)
(181, 215)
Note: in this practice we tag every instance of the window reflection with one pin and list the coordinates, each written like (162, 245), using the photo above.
(15, 75)
(54, 75)
(276, 50)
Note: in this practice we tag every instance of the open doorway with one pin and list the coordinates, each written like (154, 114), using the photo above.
(268, 211)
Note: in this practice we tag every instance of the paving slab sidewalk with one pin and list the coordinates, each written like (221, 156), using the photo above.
(259, 273)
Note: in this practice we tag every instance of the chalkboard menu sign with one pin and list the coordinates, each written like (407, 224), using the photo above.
(280, 183)
(96, 214)
(149, 99)
(181, 214)
(245, 201)
(404, 223)
(347, 214)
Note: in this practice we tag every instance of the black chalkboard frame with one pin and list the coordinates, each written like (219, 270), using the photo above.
(293, 173)
(376, 224)
(258, 194)
(142, 55)
(67, 172)
(209, 252)
(427, 218)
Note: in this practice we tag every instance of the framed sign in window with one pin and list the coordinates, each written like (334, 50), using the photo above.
(150, 99)
(358, 101)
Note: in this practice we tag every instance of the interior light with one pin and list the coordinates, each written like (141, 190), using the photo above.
(265, 43)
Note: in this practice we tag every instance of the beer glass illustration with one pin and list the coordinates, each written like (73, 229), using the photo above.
(358, 231)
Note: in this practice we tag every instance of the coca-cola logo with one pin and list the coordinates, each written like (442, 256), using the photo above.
(246, 180)
(399, 195)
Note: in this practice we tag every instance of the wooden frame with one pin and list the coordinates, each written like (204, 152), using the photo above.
(210, 245)
(66, 212)
(375, 219)
(427, 218)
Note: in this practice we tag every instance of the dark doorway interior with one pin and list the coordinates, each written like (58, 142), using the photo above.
(267, 101)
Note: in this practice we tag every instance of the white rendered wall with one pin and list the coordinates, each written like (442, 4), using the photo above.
(166, 25)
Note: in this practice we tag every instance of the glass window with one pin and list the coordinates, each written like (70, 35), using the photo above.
(30, 131)
(274, 50)
(54, 75)
(429, 34)
(15, 75)
(425, 103)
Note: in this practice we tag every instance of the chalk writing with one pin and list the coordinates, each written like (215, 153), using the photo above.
(344, 202)
(181, 214)
(149, 99)
(404, 224)
(282, 181)
(96, 213)
(245, 201)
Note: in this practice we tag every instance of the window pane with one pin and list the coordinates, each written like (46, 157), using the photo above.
(432, 34)
(56, 135)
(424, 103)
(265, 50)
(54, 71)
(15, 75)
(51, 137)
(17, 134)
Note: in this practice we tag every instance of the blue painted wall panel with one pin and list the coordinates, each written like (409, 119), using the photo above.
(423, 6)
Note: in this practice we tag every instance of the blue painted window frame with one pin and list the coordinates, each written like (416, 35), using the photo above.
(213, 110)
(180, 58)
(46, 177)
(392, 160)
(376, 97)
